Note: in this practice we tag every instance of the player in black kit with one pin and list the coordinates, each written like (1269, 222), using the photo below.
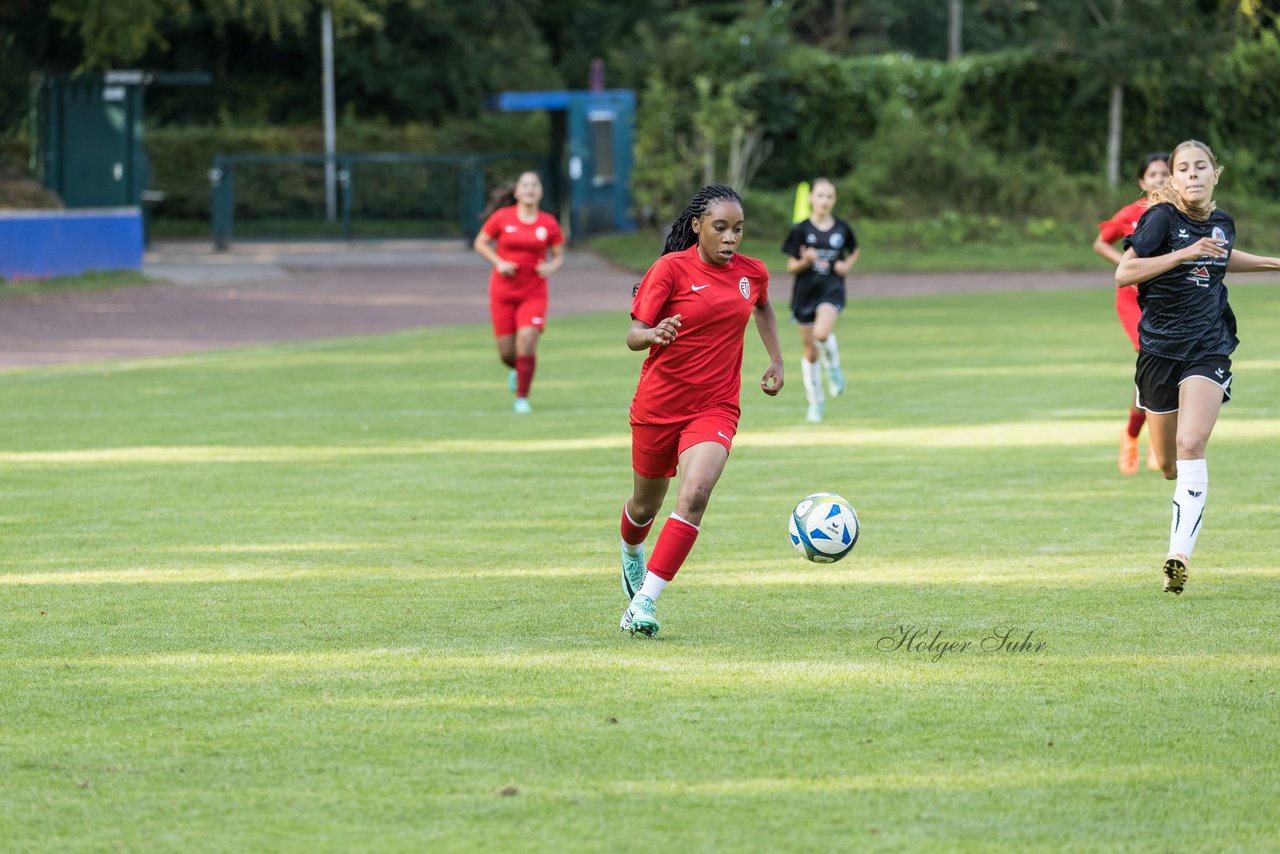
(1179, 254)
(821, 250)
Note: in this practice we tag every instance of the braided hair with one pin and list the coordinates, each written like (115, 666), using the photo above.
(682, 235)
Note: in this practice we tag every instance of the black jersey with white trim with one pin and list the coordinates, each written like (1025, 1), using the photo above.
(834, 244)
(1185, 313)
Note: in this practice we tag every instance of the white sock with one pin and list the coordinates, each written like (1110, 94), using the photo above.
(652, 586)
(829, 350)
(812, 376)
(1188, 505)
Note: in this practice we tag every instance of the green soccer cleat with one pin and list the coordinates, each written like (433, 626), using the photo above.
(633, 570)
(640, 616)
(1175, 574)
(521, 406)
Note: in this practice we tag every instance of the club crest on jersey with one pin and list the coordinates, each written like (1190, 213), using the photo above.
(836, 240)
(1199, 277)
(1219, 236)
(541, 232)
(744, 285)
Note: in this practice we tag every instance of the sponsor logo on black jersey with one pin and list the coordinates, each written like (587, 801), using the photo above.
(1199, 277)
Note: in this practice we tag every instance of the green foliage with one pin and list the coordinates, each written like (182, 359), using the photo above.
(121, 31)
(1016, 127)
(710, 131)
(1244, 97)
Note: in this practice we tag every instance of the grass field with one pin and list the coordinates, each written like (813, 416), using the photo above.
(98, 281)
(335, 596)
(638, 249)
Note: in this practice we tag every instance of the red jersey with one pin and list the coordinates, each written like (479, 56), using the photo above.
(1123, 224)
(702, 368)
(522, 242)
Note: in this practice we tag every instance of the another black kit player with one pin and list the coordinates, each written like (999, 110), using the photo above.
(821, 250)
(1179, 254)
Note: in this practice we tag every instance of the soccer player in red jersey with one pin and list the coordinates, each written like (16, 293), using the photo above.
(1153, 173)
(516, 239)
(1179, 255)
(689, 313)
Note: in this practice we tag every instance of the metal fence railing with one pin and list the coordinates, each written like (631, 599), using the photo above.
(376, 195)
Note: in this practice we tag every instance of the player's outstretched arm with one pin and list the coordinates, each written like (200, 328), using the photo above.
(1243, 262)
(1134, 269)
(642, 336)
(767, 326)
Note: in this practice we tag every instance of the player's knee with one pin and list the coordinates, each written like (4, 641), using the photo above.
(1169, 470)
(641, 510)
(694, 503)
(1191, 446)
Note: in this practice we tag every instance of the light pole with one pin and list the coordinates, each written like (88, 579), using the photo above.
(330, 135)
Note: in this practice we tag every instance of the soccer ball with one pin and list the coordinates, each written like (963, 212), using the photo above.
(823, 527)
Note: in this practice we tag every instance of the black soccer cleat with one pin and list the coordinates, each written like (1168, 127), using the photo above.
(1175, 575)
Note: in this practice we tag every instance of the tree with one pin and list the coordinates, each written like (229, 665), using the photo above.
(1124, 40)
(119, 32)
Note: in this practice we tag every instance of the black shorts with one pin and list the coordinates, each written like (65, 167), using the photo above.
(1158, 379)
(805, 301)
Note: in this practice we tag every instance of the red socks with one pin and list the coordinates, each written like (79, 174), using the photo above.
(633, 534)
(673, 547)
(1137, 417)
(524, 374)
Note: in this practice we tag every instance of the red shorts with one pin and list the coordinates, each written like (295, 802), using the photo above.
(656, 448)
(512, 311)
(1130, 314)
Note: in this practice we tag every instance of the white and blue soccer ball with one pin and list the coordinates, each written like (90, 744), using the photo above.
(823, 527)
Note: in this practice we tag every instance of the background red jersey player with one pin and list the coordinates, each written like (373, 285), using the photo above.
(516, 239)
(1151, 175)
(689, 313)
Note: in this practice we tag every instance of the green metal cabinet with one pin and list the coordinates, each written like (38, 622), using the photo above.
(90, 130)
